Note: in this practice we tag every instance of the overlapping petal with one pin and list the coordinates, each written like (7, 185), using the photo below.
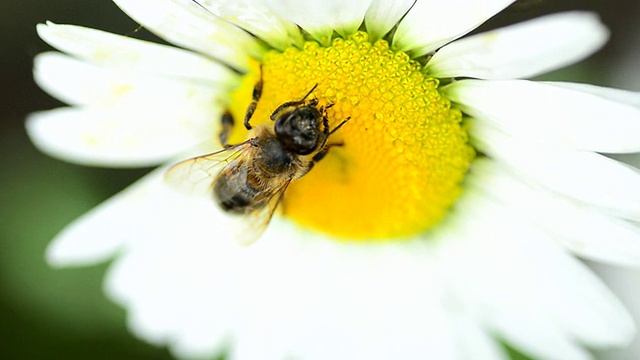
(494, 261)
(255, 17)
(321, 18)
(129, 54)
(185, 23)
(553, 114)
(474, 341)
(297, 292)
(171, 115)
(618, 95)
(383, 15)
(79, 83)
(523, 50)
(433, 23)
(584, 176)
(583, 229)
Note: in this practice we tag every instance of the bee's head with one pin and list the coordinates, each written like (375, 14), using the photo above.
(299, 129)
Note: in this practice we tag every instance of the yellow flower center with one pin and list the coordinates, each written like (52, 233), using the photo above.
(404, 153)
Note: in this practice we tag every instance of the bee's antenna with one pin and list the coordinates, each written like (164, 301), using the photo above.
(310, 91)
(340, 125)
(275, 112)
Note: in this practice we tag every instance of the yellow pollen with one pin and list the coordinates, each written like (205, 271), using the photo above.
(404, 153)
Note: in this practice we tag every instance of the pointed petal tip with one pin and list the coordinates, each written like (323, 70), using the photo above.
(53, 256)
(62, 252)
(57, 256)
(45, 30)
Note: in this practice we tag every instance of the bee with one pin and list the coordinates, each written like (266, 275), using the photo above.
(249, 179)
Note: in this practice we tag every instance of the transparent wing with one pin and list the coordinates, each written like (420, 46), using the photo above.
(197, 175)
(250, 226)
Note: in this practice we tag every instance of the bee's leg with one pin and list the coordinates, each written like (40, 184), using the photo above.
(325, 130)
(227, 123)
(255, 97)
(325, 127)
(320, 155)
(287, 104)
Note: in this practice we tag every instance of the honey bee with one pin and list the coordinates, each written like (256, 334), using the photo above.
(249, 179)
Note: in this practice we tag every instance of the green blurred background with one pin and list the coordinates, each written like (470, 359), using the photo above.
(61, 313)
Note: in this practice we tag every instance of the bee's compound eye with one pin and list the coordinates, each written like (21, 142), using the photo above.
(298, 130)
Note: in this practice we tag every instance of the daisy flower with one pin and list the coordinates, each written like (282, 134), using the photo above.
(446, 219)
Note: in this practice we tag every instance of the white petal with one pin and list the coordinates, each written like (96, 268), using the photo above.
(383, 15)
(433, 23)
(515, 279)
(185, 23)
(79, 83)
(619, 95)
(583, 230)
(522, 50)
(129, 119)
(474, 342)
(359, 291)
(549, 343)
(321, 17)
(125, 53)
(191, 288)
(588, 177)
(119, 137)
(541, 112)
(169, 266)
(255, 17)
(100, 233)
(624, 282)
(173, 275)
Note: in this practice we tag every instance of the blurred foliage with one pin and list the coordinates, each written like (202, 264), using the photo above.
(62, 313)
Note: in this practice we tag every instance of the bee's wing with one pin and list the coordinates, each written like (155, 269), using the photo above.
(252, 225)
(197, 175)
